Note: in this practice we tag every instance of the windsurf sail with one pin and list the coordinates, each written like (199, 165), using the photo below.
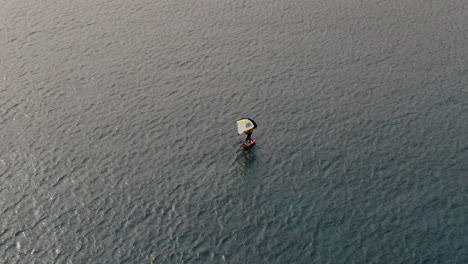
(245, 124)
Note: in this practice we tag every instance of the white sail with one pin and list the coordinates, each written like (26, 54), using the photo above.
(244, 125)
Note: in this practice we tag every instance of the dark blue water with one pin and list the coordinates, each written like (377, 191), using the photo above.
(118, 139)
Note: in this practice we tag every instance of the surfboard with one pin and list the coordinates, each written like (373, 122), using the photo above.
(252, 142)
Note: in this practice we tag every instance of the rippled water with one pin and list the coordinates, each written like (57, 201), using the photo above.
(118, 140)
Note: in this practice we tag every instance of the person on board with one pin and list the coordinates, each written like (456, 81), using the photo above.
(249, 136)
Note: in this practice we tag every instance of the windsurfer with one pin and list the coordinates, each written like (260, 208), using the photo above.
(246, 125)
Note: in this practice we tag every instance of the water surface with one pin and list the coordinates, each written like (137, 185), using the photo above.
(118, 139)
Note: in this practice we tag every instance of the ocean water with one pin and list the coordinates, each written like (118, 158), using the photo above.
(118, 141)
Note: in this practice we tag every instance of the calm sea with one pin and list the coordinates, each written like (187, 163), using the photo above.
(118, 139)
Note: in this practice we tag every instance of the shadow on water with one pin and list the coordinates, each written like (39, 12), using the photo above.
(245, 163)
